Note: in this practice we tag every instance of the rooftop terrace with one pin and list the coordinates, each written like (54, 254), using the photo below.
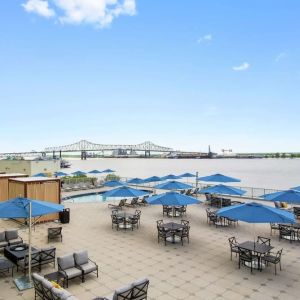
(201, 269)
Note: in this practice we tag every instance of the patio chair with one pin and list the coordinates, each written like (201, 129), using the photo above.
(117, 206)
(3, 241)
(245, 256)
(24, 263)
(163, 234)
(47, 256)
(54, 233)
(133, 202)
(263, 240)
(274, 258)
(183, 233)
(85, 264)
(233, 244)
(116, 221)
(189, 192)
(167, 210)
(133, 221)
(274, 227)
(12, 237)
(286, 232)
(185, 222)
(38, 287)
(140, 289)
(66, 266)
(195, 191)
(159, 223)
(181, 210)
(137, 214)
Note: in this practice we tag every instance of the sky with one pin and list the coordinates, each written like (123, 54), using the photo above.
(182, 74)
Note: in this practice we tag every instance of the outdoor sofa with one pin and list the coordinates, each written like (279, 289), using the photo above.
(9, 238)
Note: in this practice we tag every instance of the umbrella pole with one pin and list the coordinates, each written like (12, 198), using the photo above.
(29, 250)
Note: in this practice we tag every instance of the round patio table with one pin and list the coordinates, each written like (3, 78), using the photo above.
(172, 227)
(125, 217)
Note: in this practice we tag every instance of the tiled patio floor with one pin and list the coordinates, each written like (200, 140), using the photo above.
(199, 270)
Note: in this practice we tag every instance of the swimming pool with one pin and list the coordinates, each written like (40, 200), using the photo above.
(96, 197)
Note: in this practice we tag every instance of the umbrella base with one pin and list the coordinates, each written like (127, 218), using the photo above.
(23, 283)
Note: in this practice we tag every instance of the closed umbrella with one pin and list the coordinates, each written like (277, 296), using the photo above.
(27, 208)
(173, 185)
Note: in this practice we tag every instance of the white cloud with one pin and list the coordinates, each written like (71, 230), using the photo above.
(205, 39)
(39, 7)
(280, 56)
(99, 13)
(243, 67)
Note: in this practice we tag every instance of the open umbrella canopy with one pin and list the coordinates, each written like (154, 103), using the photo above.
(187, 175)
(170, 176)
(39, 175)
(296, 188)
(256, 213)
(172, 199)
(135, 181)
(222, 190)
(19, 208)
(218, 178)
(95, 172)
(114, 183)
(78, 173)
(173, 185)
(152, 179)
(124, 191)
(60, 174)
(289, 196)
(108, 171)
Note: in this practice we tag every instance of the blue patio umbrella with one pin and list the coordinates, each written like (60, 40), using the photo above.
(95, 172)
(39, 175)
(78, 173)
(125, 191)
(289, 196)
(135, 181)
(170, 176)
(114, 183)
(27, 208)
(173, 185)
(223, 190)
(218, 178)
(172, 199)
(297, 188)
(152, 179)
(256, 213)
(187, 175)
(108, 171)
(60, 174)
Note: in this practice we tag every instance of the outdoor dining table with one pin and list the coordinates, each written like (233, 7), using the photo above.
(16, 253)
(172, 227)
(125, 217)
(257, 248)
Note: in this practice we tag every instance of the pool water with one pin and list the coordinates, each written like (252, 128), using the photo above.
(85, 198)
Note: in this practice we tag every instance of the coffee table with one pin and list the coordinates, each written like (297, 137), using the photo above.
(15, 255)
(6, 266)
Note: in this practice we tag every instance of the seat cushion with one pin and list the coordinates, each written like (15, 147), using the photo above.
(15, 241)
(11, 234)
(47, 284)
(73, 272)
(66, 262)
(2, 237)
(3, 244)
(88, 267)
(61, 293)
(81, 257)
(121, 290)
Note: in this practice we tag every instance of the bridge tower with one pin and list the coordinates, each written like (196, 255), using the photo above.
(83, 155)
(53, 155)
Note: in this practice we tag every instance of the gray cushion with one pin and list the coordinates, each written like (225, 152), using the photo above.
(121, 290)
(3, 244)
(88, 267)
(15, 241)
(38, 277)
(47, 284)
(2, 237)
(73, 272)
(81, 257)
(11, 234)
(61, 293)
(66, 262)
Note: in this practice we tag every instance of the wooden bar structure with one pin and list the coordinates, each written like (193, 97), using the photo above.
(4, 184)
(37, 188)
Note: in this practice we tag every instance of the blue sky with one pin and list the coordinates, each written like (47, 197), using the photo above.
(183, 74)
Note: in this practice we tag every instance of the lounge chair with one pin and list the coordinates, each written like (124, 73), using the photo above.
(143, 201)
(133, 202)
(117, 206)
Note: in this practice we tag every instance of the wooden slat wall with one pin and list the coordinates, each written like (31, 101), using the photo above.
(16, 189)
(3, 189)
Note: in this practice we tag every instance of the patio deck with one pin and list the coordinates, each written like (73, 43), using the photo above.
(199, 270)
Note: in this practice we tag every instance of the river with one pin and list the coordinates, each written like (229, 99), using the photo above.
(263, 173)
